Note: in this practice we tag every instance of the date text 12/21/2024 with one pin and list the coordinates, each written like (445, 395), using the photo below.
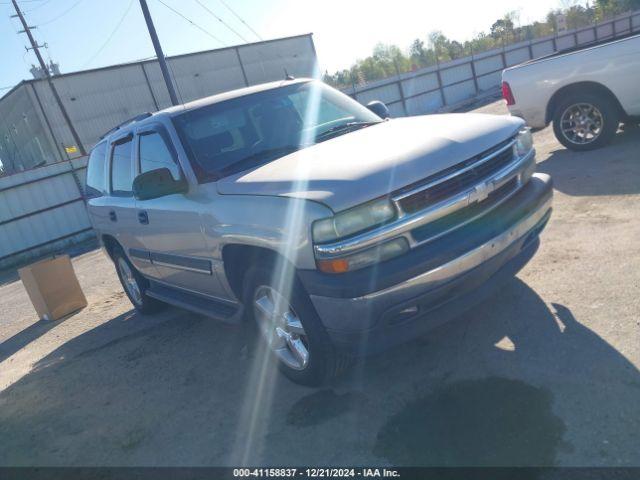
(315, 473)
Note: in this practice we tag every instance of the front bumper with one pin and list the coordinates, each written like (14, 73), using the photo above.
(405, 297)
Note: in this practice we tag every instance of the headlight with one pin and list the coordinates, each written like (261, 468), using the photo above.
(353, 221)
(524, 142)
(379, 253)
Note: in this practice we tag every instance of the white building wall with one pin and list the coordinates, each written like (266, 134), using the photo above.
(97, 100)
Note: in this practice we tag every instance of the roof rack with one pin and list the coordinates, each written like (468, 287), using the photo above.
(137, 118)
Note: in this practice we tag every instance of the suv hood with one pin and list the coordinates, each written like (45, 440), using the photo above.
(357, 167)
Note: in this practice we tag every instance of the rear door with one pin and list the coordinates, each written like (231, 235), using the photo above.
(171, 225)
(97, 189)
(121, 206)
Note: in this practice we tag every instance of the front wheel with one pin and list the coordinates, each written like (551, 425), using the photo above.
(289, 326)
(585, 122)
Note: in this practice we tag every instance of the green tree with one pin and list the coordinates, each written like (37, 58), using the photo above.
(387, 60)
(502, 29)
(421, 56)
(439, 43)
(579, 16)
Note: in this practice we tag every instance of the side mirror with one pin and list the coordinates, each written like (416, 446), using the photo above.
(157, 183)
(379, 108)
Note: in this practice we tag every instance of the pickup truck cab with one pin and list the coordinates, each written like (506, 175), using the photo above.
(586, 93)
(338, 232)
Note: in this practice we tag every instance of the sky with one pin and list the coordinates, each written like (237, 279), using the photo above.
(83, 34)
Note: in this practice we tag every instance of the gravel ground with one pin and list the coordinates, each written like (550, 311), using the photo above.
(543, 373)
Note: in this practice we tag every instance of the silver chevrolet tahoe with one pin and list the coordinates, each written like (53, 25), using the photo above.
(339, 231)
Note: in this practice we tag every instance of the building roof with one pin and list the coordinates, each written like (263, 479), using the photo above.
(231, 94)
(149, 60)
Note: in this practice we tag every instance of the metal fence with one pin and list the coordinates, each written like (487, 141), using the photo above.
(42, 210)
(448, 84)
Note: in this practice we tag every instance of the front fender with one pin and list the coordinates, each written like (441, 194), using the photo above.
(280, 224)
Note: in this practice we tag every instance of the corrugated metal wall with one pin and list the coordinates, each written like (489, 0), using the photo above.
(42, 210)
(431, 89)
(96, 100)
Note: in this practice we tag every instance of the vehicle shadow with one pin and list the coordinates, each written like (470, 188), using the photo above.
(612, 170)
(23, 338)
(509, 383)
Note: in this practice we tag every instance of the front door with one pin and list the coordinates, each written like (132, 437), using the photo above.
(171, 225)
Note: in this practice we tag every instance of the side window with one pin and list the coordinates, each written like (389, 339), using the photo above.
(154, 153)
(121, 171)
(95, 182)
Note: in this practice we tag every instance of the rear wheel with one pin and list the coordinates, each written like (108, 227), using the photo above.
(586, 121)
(134, 284)
(289, 327)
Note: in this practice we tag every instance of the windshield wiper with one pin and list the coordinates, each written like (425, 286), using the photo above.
(258, 158)
(344, 128)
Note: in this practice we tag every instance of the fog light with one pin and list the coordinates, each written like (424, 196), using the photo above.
(408, 311)
(404, 315)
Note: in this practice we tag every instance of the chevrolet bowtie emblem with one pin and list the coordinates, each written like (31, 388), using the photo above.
(480, 192)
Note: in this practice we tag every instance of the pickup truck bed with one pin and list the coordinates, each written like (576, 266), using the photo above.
(586, 92)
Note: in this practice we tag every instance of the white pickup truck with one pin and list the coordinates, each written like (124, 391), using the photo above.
(586, 93)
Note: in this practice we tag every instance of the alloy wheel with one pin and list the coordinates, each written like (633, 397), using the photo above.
(281, 327)
(129, 281)
(582, 123)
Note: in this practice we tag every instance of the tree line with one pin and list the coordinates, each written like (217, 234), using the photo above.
(388, 60)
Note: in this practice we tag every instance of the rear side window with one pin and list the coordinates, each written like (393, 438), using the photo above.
(96, 186)
(121, 171)
(155, 153)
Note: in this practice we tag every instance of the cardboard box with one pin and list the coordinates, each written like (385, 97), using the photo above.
(53, 287)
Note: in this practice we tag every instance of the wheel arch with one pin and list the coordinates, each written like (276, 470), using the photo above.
(238, 258)
(587, 87)
(110, 244)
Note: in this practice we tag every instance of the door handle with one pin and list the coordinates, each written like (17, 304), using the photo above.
(112, 216)
(143, 217)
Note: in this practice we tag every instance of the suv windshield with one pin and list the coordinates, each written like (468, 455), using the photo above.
(242, 133)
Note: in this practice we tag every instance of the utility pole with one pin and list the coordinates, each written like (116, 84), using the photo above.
(159, 54)
(36, 48)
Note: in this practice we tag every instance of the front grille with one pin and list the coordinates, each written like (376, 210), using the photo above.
(447, 188)
(459, 218)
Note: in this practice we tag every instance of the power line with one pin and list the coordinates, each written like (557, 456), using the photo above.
(241, 19)
(35, 47)
(221, 21)
(41, 24)
(37, 6)
(193, 23)
(113, 32)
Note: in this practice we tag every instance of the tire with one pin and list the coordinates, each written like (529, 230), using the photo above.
(598, 111)
(127, 273)
(322, 362)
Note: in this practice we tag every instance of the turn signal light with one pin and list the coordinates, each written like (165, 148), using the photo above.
(338, 265)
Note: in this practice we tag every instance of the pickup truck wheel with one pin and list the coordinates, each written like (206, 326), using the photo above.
(290, 328)
(585, 122)
(134, 284)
